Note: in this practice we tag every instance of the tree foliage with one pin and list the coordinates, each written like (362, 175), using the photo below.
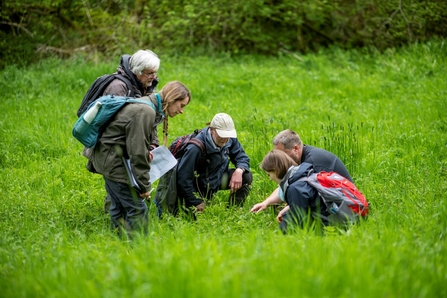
(32, 29)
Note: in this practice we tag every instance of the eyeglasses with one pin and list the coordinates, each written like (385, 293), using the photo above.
(150, 74)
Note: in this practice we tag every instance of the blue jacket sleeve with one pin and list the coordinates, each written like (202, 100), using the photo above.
(186, 175)
(237, 155)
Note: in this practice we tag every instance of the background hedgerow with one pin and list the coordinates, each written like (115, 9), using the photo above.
(34, 29)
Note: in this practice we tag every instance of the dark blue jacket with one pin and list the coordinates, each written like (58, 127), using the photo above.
(207, 171)
(323, 160)
(301, 196)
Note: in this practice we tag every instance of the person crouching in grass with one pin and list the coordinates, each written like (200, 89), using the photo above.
(304, 205)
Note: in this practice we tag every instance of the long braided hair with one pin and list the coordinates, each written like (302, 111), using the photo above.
(170, 93)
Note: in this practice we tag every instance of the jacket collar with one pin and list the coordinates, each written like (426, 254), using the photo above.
(124, 69)
(294, 173)
(159, 116)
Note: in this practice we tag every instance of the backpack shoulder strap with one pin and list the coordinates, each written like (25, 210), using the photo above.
(307, 178)
(159, 104)
(127, 82)
(134, 100)
(199, 144)
(285, 180)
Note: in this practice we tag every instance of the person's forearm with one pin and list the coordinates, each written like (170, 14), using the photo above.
(187, 193)
(273, 198)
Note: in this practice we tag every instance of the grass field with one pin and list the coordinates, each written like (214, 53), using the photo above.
(383, 114)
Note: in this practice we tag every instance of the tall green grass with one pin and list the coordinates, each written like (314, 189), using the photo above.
(385, 115)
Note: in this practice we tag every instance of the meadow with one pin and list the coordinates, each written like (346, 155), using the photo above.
(384, 114)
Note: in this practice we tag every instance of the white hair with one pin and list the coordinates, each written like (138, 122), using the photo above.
(144, 59)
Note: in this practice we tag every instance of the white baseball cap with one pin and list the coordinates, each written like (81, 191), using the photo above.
(224, 125)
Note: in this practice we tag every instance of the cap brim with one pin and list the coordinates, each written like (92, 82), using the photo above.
(226, 133)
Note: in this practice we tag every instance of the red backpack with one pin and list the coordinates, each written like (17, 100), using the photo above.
(344, 201)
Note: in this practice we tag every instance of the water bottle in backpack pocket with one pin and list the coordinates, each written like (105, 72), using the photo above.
(89, 125)
(87, 118)
(341, 213)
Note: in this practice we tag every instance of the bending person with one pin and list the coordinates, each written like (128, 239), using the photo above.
(304, 203)
(132, 130)
(289, 142)
(200, 177)
(141, 70)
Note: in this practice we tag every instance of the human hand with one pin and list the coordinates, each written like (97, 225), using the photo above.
(279, 217)
(150, 156)
(236, 180)
(258, 207)
(201, 207)
(146, 196)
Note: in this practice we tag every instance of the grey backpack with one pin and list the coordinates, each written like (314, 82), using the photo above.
(345, 203)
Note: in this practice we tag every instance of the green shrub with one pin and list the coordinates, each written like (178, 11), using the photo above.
(34, 29)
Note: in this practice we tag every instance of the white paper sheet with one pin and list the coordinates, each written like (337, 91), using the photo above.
(163, 161)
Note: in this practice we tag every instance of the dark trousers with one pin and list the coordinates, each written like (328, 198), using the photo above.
(127, 213)
(237, 198)
(297, 218)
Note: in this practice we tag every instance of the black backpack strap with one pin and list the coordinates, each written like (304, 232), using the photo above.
(199, 144)
(96, 90)
(127, 82)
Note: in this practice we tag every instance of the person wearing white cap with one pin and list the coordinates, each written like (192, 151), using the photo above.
(200, 176)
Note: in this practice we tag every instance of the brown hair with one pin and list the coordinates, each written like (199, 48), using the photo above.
(173, 91)
(170, 93)
(277, 161)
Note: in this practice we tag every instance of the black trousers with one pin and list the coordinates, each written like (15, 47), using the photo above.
(126, 212)
(237, 198)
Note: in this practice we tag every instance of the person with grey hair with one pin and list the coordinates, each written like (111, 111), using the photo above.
(321, 160)
(141, 70)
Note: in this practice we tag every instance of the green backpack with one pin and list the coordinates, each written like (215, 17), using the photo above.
(89, 133)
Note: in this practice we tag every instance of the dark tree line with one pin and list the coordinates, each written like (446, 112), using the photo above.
(33, 29)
